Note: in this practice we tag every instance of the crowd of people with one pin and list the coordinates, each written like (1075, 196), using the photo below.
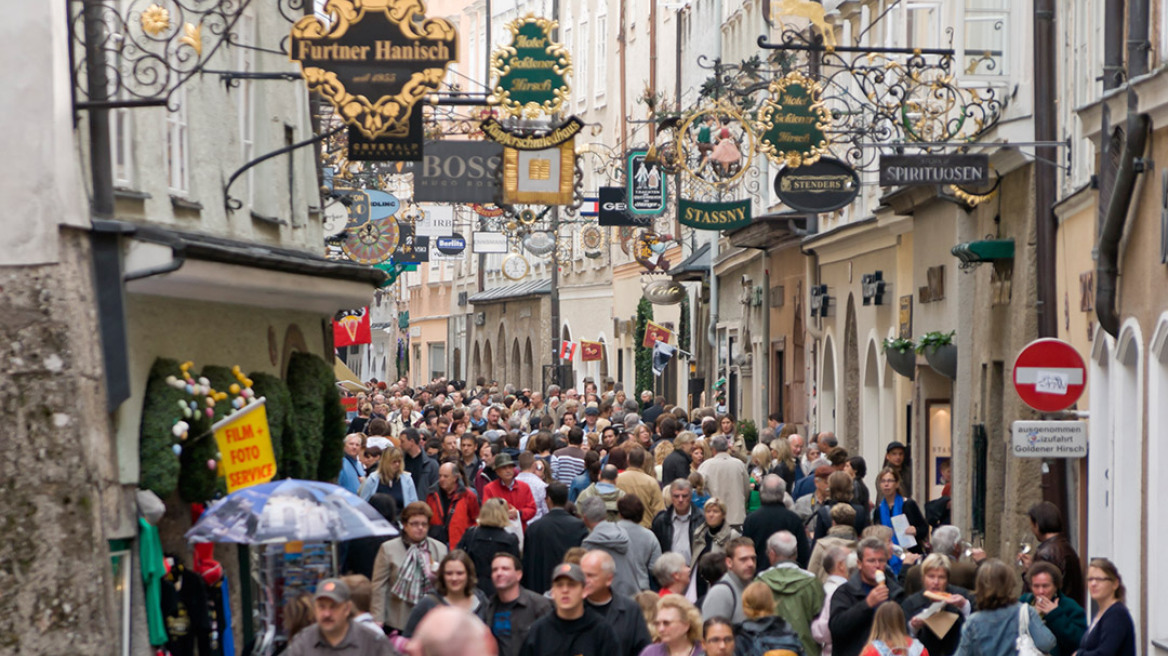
(589, 523)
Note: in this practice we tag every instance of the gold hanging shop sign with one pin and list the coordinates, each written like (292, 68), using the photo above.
(531, 73)
(540, 177)
(374, 60)
(792, 121)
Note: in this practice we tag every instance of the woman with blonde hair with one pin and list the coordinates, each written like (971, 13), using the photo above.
(760, 465)
(678, 627)
(763, 630)
(490, 537)
(784, 460)
(888, 636)
(660, 453)
(711, 536)
(935, 575)
(391, 478)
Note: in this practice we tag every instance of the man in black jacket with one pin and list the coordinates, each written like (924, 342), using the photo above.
(620, 612)
(853, 606)
(513, 608)
(421, 467)
(549, 538)
(773, 517)
(573, 629)
(680, 513)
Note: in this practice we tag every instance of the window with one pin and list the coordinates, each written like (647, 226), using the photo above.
(177, 157)
(602, 57)
(985, 36)
(121, 127)
(246, 63)
(922, 25)
(581, 64)
(437, 361)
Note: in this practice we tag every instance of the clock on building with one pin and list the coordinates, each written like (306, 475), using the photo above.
(516, 267)
(373, 242)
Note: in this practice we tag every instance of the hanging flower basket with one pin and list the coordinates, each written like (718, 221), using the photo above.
(943, 359)
(902, 362)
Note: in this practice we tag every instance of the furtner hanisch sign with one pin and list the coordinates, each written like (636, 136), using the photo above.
(904, 170)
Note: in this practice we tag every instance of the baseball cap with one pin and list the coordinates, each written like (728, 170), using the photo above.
(334, 589)
(894, 445)
(592, 411)
(569, 570)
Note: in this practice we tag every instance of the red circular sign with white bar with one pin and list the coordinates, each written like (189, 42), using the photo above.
(1049, 375)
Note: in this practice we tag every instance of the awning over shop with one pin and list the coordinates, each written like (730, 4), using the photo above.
(767, 231)
(345, 376)
(163, 262)
(694, 267)
(512, 292)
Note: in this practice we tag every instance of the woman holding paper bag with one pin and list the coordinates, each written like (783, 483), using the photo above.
(937, 613)
(903, 516)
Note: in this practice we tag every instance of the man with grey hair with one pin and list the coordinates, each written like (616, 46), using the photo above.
(773, 516)
(673, 573)
(798, 593)
(632, 420)
(619, 611)
(727, 479)
(946, 540)
(610, 538)
(676, 525)
(450, 631)
(835, 563)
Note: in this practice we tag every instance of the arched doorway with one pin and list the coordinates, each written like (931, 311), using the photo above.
(566, 336)
(456, 365)
(850, 440)
(825, 410)
(1157, 462)
(501, 358)
(1100, 477)
(476, 366)
(488, 363)
(528, 366)
(600, 382)
(513, 372)
(872, 439)
(1128, 442)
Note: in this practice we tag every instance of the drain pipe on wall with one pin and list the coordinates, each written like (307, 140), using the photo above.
(1107, 263)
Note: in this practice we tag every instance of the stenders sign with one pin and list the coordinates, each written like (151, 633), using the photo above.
(908, 170)
(374, 60)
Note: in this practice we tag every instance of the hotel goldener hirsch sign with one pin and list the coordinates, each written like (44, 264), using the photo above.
(531, 74)
(792, 121)
(374, 60)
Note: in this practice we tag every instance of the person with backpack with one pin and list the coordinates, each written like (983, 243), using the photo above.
(489, 538)
(888, 637)
(724, 597)
(762, 632)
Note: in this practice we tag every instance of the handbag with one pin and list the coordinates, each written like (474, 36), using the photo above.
(1024, 643)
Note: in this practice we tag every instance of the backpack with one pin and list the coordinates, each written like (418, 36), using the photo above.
(777, 644)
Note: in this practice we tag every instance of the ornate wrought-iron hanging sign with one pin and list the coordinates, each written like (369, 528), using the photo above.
(532, 72)
(374, 60)
(825, 186)
(792, 121)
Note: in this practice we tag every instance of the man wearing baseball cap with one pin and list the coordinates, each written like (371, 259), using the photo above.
(572, 629)
(335, 631)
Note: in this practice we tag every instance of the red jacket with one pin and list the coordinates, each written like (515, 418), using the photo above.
(464, 512)
(518, 495)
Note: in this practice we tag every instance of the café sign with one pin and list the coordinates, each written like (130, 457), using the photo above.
(956, 169)
(792, 121)
(714, 216)
(531, 72)
(374, 60)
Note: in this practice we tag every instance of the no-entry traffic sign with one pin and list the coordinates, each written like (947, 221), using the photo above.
(1049, 375)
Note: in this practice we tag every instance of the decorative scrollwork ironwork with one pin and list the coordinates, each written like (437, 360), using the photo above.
(150, 48)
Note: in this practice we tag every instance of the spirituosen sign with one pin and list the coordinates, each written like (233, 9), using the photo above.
(646, 186)
(792, 121)
(905, 170)
(532, 72)
(825, 186)
(714, 216)
(374, 60)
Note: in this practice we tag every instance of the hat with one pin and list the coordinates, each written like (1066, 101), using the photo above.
(894, 445)
(493, 436)
(592, 411)
(378, 441)
(334, 589)
(503, 460)
(569, 570)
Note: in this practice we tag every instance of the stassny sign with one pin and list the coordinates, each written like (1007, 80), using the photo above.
(714, 216)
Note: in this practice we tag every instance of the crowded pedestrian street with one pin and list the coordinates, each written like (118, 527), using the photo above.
(584, 328)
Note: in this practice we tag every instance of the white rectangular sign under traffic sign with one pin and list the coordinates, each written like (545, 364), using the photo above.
(488, 242)
(1049, 439)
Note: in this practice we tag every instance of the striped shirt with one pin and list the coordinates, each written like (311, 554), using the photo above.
(567, 463)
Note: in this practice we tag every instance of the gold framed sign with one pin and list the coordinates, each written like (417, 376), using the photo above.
(374, 60)
(531, 73)
(540, 177)
(793, 120)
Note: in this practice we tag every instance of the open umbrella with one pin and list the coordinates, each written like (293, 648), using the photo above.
(287, 511)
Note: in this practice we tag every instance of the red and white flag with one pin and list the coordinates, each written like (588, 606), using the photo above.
(567, 350)
(351, 327)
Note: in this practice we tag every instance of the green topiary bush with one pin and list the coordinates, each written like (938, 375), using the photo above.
(158, 465)
(199, 483)
(318, 419)
(643, 357)
(279, 408)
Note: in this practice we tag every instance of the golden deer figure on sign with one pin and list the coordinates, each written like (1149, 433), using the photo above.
(812, 11)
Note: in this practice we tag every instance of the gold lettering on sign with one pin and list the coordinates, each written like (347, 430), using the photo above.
(524, 41)
(539, 169)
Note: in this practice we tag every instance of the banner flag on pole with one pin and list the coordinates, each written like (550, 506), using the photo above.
(591, 351)
(662, 354)
(352, 327)
(567, 350)
(655, 333)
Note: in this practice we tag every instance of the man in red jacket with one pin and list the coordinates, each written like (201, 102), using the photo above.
(516, 493)
(455, 509)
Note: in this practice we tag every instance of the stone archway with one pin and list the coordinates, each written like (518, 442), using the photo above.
(513, 375)
(850, 439)
(825, 411)
(871, 435)
(476, 366)
(488, 362)
(528, 378)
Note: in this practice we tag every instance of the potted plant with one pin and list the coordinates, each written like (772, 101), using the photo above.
(940, 351)
(901, 356)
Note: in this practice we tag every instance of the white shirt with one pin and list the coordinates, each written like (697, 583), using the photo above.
(538, 492)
